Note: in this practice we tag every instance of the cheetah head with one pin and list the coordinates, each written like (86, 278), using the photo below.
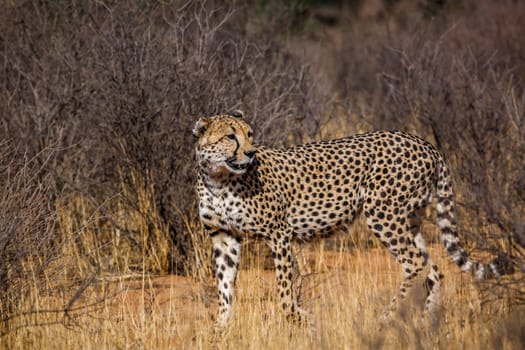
(225, 144)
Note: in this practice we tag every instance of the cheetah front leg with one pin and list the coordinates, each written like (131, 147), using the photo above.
(226, 254)
(286, 273)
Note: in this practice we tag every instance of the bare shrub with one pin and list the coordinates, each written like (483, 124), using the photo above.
(120, 86)
(26, 228)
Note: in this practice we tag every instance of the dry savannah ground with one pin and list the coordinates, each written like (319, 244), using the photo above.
(344, 292)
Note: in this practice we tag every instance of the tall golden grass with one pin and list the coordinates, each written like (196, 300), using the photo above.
(344, 292)
(129, 236)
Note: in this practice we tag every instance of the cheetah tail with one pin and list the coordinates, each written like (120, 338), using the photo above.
(502, 265)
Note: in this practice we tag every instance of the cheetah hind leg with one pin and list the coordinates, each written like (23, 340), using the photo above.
(412, 256)
(413, 261)
(432, 281)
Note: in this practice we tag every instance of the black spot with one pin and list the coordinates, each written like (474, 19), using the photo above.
(429, 284)
(462, 259)
(229, 261)
(452, 247)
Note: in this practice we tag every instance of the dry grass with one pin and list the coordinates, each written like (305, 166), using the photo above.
(344, 292)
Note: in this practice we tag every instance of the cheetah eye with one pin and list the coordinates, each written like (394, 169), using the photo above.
(231, 136)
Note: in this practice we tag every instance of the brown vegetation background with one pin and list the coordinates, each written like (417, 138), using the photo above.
(97, 100)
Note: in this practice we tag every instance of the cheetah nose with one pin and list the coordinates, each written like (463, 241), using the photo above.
(249, 153)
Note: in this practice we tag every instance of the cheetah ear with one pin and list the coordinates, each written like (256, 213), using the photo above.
(200, 127)
(237, 114)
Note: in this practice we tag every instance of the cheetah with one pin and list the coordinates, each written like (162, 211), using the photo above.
(306, 190)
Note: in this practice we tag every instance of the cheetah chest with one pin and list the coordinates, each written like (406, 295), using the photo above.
(222, 210)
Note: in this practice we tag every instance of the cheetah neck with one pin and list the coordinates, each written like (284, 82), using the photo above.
(216, 184)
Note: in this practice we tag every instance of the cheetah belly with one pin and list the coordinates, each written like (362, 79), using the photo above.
(315, 221)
